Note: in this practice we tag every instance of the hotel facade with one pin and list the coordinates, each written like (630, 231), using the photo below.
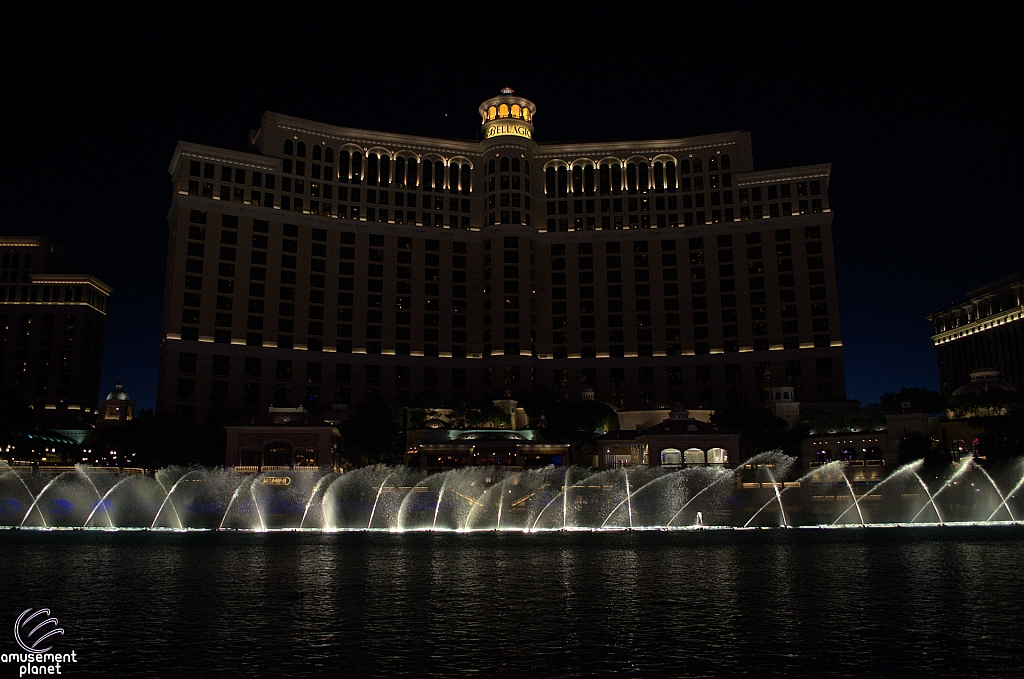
(51, 329)
(985, 331)
(327, 263)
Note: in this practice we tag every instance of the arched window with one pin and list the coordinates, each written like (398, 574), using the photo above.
(328, 155)
(659, 176)
(588, 180)
(605, 180)
(503, 111)
(670, 176)
(631, 177)
(549, 181)
(410, 173)
(453, 177)
(644, 180)
(822, 455)
(490, 166)
(300, 149)
(718, 456)
(357, 166)
(317, 150)
(684, 166)
(671, 456)
(712, 164)
(400, 171)
(371, 169)
(428, 175)
(526, 164)
(289, 147)
(438, 175)
(577, 180)
(563, 181)
(694, 456)
(696, 165)
(491, 113)
(343, 169)
(526, 113)
(385, 170)
(504, 164)
(466, 179)
(515, 165)
(616, 179)
(515, 110)
(725, 162)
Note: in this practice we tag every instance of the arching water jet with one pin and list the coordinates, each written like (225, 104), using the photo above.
(1020, 484)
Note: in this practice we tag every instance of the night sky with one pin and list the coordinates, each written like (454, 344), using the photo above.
(913, 111)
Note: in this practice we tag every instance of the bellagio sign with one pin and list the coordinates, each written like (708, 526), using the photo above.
(509, 128)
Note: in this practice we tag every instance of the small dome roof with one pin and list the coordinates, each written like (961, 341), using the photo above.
(118, 394)
(984, 380)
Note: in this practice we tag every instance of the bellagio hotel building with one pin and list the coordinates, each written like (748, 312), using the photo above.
(327, 263)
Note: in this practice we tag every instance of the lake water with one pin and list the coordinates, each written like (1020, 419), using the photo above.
(863, 602)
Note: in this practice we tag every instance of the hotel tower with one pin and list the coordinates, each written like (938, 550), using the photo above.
(328, 263)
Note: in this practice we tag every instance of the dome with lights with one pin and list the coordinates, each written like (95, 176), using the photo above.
(119, 394)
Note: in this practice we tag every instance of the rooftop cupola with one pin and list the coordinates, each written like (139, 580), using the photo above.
(507, 116)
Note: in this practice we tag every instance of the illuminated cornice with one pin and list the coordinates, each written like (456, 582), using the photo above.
(70, 279)
(255, 161)
(19, 242)
(640, 147)
(368, 138)
(988, 323)
(784, 174)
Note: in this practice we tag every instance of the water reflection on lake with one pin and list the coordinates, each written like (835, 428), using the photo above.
(932, 601)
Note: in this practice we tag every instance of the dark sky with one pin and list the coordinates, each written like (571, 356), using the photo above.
(913, 111)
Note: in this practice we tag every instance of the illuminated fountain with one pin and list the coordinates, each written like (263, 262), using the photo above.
(754, 495)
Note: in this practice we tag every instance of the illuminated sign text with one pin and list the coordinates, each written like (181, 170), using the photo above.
(515, 129)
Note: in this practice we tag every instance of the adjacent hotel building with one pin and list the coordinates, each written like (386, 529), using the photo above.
(329, 263)
(984, 332)
(51, 329)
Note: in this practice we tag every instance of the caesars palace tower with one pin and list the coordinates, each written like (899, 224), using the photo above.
(326, 264)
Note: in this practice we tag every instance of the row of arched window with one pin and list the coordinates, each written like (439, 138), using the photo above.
(587, 178)
(506, 111)
(292, 148)
(506, 164)
(609, 179)
(404, 172)
(694, 456)
(379, 168)
(614, 178)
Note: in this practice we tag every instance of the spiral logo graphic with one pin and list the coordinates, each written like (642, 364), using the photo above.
(27, 638)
